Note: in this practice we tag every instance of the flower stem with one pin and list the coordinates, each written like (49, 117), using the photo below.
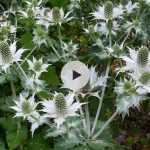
(82, 114)
(24, 74)
(28, 56)
(13, 88)
(105, 125)
(88, 120)
(104, 88)
(101, 98)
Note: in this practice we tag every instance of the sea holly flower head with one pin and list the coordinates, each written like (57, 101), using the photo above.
(32, 83)
(108, 12)
(70, 50)
(96, 80)
(103, 29)
(129, 7)
(36, 120)
(137, 61)
(40, 36)
(125, 87)
(9, 54)
(60, 108)
(24, 106)
(37, 66)
(52, 17)
(128, 95)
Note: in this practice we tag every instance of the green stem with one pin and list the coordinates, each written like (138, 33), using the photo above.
(28, 56)
(88, 120)
(24, 74)
(55, 51)
(81, 113)
(105, 125)
(13, 88)
(101, 98)
(104, 88)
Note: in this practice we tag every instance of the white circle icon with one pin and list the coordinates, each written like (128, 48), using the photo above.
(75, 75)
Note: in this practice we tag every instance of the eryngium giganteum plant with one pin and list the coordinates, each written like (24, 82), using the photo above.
(38, 38)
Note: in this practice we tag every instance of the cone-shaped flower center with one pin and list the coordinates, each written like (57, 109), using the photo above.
(5, 53)
(37, 66)
(60, 104)
(129, 88)
(26, 107)
(145, 78)
(56, 14)
(142, 58)
(108, 10)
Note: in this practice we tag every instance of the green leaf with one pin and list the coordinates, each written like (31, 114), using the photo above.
(26, 41)
(38, 142)
(59, 3)
(2, 145)
(16, 138)
(16, 134)
(51, 77)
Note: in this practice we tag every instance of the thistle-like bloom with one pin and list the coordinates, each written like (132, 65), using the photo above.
(74, 4)
(128, 95)
(108, 11)
(138, 67)
(36, 120)
(96, 81)
(37, 66)
(70, 50)
(60, 108)
(130, 7)
(137, 61)
(54, 16)
(40, 36)
(9, 54)
(32, 83)
(103, 29)
(24, 106)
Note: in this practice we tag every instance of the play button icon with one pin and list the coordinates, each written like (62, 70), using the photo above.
(75, 75)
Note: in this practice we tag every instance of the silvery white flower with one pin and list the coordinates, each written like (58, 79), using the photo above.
(74, 4)
(9, 54)
(60, 108)
(24, 106)
(103, 29)
(99, 14)
(32, 83)
(126, 102)
(96, 80)
(142, 79)
(128, 95)
(134, 24)
(37, 66)
(70, 49)
(36, 120)
(95, 83)
(132, 63)
(130, 6)
(51, 17)
(40, 36)
(125, 87)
